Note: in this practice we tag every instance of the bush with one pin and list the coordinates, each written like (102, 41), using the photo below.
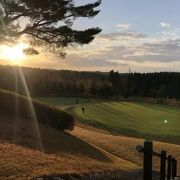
(45, 114)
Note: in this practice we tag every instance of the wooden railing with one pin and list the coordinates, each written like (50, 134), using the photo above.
(168, 164)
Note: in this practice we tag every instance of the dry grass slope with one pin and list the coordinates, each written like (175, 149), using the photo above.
(17, 105)
(22, 155)
(124, 147)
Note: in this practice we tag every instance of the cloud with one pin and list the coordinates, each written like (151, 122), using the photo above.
(122, 49)
(167, 33)
(117, 36)
(123, 26)
(165, 25)
(118, 51)
(82, 63)
(163, 52)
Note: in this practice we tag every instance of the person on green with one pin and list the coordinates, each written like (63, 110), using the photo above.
(83, 110)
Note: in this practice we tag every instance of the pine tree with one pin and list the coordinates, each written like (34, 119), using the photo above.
(46, 21)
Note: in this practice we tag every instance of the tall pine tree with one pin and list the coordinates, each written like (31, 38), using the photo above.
(49, 22)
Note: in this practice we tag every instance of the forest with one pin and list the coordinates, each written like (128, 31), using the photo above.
(43, 82)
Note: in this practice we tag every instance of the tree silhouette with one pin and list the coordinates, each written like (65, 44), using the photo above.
(47, 21)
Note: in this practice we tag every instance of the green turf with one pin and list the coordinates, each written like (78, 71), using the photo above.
(137, 119)
(58, 101)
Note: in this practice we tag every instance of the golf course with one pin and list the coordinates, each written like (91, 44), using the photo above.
(144, 120)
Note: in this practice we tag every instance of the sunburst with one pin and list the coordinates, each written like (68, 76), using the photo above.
(14, 53)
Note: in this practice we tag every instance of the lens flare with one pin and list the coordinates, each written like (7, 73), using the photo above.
(14, 54)
(165, 121)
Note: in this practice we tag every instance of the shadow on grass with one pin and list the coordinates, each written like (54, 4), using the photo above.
(123, 175)
(21, 132)
(130, 132)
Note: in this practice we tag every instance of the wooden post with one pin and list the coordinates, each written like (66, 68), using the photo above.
(174, 168)
(169, 168)
(148, 152)
(163, 166)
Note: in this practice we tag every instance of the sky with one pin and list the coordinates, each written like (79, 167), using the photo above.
(140, 35)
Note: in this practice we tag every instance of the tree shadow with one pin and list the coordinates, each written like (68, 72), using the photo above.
(21, 132)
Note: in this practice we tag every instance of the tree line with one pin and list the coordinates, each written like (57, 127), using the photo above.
(41, 82)
(155, 85)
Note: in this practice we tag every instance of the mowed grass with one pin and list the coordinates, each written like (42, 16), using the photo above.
(135, 119)
(63, 101)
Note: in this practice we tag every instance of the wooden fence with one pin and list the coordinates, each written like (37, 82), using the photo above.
(168, 164)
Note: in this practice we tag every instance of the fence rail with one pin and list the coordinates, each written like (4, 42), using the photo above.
(168, 164)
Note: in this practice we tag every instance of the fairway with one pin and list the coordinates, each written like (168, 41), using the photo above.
(63, 101)
(150, 121)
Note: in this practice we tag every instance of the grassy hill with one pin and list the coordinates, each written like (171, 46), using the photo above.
(124, 147)
(25, 154)
(135, 119)
(150, 121)
(31, 147)
(24, 106)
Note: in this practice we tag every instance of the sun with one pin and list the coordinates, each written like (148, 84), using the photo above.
(14, 53)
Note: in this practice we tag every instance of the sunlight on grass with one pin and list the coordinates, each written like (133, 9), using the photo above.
(16, 55)
(135, 119)
(16, 105)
